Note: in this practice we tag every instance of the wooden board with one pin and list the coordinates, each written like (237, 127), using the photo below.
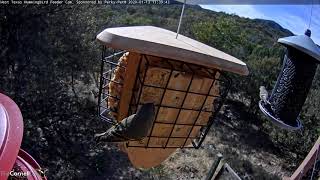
(126, 91)
(225, 172)
(158, 76)
(129, 80)
(307, 163)
(162, 43)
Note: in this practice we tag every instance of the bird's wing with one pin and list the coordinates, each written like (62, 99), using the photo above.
(134, 127)
(117, 133)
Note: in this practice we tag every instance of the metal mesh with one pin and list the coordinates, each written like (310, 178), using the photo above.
(195, 131)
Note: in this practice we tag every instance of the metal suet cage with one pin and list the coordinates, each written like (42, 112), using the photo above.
(186, 80)
(172, 69)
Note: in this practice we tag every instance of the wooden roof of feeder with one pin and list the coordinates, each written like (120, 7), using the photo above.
(160, 42)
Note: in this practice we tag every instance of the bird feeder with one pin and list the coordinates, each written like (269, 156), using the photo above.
(186, 81)
(294, 81)
(14, 161)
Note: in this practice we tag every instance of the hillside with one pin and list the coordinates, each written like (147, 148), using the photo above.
(50, 62)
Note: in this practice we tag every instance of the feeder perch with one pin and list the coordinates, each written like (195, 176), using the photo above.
(12, 158)
(294, 81)
(183, 78)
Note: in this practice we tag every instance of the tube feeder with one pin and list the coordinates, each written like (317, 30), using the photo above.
(294, 81)
(186, 81)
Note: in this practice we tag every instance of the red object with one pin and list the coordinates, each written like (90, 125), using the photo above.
(28, 165)
(11, 132)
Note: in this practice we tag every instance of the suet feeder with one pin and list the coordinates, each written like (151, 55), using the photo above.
(185, 79)
(294, 81)
(13, 160)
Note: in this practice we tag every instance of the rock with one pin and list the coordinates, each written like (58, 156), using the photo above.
(272, 163)
(255, 127)
(92, 154)
(211, 146)
(39, 130)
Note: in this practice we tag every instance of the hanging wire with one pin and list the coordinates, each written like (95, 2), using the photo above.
(311, 11)
(182, 11)
(317, 151)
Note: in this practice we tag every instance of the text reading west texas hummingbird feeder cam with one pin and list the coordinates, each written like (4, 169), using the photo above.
(183, 78)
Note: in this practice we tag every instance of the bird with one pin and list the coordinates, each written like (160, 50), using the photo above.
(132, 128)
(263, 94)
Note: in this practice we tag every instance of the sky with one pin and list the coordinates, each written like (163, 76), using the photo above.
(292, 17)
